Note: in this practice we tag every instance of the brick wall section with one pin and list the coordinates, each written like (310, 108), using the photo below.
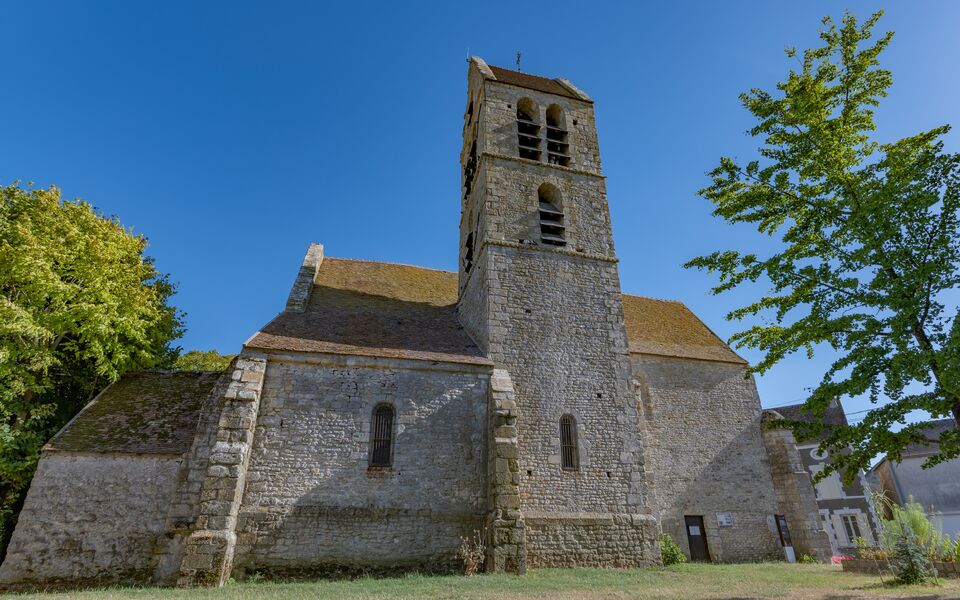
(506, 538)
(701, 431)
(312, 505)
(90, 520)
(208, 553)
(795, 496)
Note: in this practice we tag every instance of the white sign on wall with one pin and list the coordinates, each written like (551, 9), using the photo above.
(725, 519)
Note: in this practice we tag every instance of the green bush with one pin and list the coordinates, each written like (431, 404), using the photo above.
(806, 559)
(911, 520)
(670, 552)
(910, 562)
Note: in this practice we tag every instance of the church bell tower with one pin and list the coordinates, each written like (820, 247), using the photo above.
(540, 294)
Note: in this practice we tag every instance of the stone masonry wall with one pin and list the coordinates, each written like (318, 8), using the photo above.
(705, 455)
(511, 206)
(583, 539)
(506, 536)
(91, 520)
(553, 318)
(556, 322)
(208, 553)
(499, 128)
(312, 505)
(183, 510)
(795, 496)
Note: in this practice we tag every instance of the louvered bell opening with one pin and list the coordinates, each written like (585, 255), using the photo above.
(552, 230)
(528, 137)
(568, 444)
(381, 441)
(558, 149)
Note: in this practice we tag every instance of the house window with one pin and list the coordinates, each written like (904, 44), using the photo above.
(528, 130)
(552, 230)
(381, 436)
(569, 459)
(558, 148)
(851, 525)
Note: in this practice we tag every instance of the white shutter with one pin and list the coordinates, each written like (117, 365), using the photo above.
(865, 532)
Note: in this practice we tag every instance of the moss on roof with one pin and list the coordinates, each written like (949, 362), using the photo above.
(669, 328)
(386, 309)
(149, 412)
(376, 309)
(388, 280)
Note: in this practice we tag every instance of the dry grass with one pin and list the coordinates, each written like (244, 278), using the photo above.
(682, 582)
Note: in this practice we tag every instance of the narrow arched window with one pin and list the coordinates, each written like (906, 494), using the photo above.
(569, 456)
(381, 436)
(528, 129)
(558, 148)
(552, 230)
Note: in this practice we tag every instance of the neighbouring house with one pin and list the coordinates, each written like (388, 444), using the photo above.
(846, 511)
(390, 410)
(936, 488)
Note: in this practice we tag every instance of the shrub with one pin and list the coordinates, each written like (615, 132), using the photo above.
(670, 552)
(912, 519)
(910, 561)
(806, 559)
(865, 550)
(472, 552)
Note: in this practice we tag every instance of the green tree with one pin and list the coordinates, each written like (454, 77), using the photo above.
(80, 304)
(203, 360)
(867, 247)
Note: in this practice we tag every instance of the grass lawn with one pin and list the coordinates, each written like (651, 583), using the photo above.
(682, 582)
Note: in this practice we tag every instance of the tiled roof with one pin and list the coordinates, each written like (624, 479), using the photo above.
(150, 412)
(384, 309)
(376, 309)
(533, 82)
(933, 432)
(669, 328)
(833, 415)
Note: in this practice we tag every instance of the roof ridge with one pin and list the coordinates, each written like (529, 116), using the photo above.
(680, 302)
(384, 262)
(523, 73)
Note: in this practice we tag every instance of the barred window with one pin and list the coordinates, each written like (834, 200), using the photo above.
(569, 459)
(381, 436)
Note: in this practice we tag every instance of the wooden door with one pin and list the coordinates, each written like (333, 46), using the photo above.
(697, 537)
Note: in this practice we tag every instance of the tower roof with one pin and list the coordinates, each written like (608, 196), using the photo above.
(533, 82)
(557, 86)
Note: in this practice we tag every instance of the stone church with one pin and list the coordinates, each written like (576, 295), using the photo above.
(390, 410)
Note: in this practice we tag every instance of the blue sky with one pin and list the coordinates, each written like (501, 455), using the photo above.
(234, 134)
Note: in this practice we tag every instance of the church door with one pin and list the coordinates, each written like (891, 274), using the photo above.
(697, 537)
